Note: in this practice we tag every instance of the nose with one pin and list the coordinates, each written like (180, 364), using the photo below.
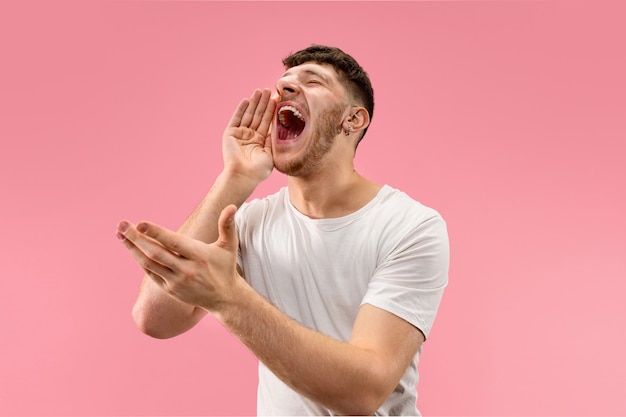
(286, 87)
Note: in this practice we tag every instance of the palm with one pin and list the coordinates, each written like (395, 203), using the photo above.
(246, 146)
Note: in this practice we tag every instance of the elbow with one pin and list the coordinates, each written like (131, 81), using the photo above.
(365, 405)
(147, 325)
(364, 401)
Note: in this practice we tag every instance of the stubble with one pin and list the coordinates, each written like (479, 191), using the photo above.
(328, 126)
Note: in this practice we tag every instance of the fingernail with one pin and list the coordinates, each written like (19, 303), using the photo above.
(120, 236)
(122, 227)
(142, 227)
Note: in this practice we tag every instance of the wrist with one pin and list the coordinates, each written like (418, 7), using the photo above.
(234, 187)
(231, 310)
(239, 180)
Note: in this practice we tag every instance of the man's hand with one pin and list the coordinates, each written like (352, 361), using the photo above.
(196, 273)
(167, 304)
(246, 146)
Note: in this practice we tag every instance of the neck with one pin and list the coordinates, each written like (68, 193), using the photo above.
(331, 194)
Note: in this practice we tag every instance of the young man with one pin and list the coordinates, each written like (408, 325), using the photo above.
(334, 282)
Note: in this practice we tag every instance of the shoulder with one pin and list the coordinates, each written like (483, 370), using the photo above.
(259, 208)
(397, 207)
(400, 222)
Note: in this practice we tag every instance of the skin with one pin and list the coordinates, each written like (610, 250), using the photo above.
(193, 271)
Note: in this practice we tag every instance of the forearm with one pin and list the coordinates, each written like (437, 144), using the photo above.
(228, 188)
(347, 379)
(155, 312)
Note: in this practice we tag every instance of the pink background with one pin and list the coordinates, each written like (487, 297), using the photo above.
(508, 117)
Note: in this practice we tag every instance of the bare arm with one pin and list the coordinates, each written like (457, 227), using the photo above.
(348, 378)
(247, 162)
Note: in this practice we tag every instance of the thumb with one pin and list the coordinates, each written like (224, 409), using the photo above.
(227, 231)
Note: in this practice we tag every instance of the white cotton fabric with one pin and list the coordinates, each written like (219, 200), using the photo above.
(392, 253)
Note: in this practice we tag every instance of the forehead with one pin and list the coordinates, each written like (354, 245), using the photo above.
(324, 71)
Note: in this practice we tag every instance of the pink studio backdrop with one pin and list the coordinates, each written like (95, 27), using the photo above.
(508, 117)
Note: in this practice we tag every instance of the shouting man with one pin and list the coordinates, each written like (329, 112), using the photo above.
(333, 282)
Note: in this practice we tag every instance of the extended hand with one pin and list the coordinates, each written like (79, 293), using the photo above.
(246, 143)
(191, 271)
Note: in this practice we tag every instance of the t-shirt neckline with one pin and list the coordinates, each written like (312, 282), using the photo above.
(337, 221)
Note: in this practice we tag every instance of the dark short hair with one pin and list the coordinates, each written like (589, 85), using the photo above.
(354, 78)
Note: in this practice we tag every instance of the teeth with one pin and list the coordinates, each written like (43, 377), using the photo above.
(291, 109)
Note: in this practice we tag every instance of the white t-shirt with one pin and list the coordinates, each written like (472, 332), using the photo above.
(392, 253)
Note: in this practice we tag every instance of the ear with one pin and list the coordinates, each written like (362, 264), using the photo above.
(356, 120)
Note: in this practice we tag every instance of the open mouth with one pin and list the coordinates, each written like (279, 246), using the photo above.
(291, 122)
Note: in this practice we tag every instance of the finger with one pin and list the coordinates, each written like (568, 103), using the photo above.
(148, 263)
(158, 279)
(227, 230)
(173, 241)
(268, 143)
(268, 117)
(235, 120)
(259, 112)
(248, 115)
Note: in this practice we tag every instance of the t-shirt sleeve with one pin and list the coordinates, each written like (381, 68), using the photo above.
(410, 280)
(241, 225)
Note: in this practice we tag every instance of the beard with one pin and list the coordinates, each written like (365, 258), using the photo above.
(327, 127)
